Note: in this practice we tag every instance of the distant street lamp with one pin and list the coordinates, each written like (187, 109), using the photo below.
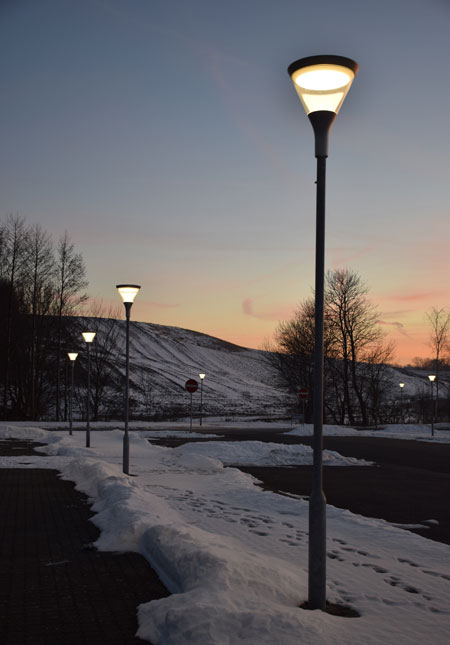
(88, 337)
(322, 83)
(402, 385)
(432, 378)
(72, 358)
(202, 376)
(128, 293)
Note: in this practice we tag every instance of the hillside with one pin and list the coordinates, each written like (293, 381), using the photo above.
(238, 380)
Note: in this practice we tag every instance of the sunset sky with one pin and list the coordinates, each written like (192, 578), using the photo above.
(166, 137)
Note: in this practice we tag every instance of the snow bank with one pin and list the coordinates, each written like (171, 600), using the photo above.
(259, 453)
(420, 432)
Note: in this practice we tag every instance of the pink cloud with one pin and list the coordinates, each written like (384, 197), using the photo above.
(400, 328)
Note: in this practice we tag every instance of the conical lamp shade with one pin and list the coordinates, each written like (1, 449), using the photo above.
(322, 82)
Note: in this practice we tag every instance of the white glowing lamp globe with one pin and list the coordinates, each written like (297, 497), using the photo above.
(88, 336)
(432, 377)
(322, 82)
(128, 292)
(72, 356)
(402, 385)
(202, 376)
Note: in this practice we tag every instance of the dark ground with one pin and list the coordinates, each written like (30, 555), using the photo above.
(56, 588)
(409, 484)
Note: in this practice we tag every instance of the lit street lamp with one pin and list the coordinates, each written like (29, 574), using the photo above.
(432, 378)
(72, 357)
(88, 337)
(128, 293)
(202, 376)
(322, 83)
(402, 385)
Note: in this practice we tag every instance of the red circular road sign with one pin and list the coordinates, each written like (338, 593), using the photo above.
(303, 393)
(191, 385)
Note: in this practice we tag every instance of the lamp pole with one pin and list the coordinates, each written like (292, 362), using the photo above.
(202, 376)
(88, 337)
(72, 358)
(432, 378)
(322, 83)
(128, 293)
(402, 385)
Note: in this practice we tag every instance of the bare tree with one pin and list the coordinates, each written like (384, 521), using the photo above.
(439, 340)
(70, 283)
(38, 296)
(355, 350)
(13, 260)
(106, 357)
(355, 334)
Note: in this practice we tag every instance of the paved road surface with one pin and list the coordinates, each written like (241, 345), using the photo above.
(56, 588)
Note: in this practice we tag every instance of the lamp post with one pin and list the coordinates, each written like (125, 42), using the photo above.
(72, 358)
(401, 385)
(88, 337)
(322, 83)
(202, 376)
(128, 293)
(432, 378)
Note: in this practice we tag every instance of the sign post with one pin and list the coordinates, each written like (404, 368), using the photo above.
(304, 396)
(191, 386)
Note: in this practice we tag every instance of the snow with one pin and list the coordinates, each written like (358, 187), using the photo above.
(419, 432)
(234, 556)
(258, 453)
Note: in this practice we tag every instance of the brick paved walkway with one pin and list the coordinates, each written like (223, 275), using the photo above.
(55, 587)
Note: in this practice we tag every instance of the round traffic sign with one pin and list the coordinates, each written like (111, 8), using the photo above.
(303, 393)
(191, 385)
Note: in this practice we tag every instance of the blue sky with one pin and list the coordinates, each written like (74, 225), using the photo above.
(167, 138)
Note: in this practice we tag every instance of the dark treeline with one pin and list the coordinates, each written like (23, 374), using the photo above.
(42, 284)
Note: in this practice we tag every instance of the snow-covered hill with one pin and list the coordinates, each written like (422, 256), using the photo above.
(238, 380)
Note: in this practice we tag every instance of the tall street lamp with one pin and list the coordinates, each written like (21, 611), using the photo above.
(72, 358)
(432, 378)
(202, 376)
(322, 83)
(401, 385)
(128, 293)
(88, 337)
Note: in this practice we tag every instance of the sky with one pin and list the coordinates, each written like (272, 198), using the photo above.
(167, 139)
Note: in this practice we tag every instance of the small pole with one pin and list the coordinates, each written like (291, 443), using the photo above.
(88, 402)
(71, 399)
(201, 400)
(126, 438)
(432, 415)
(191, 410)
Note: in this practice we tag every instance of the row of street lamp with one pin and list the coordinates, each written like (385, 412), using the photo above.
(128, 293)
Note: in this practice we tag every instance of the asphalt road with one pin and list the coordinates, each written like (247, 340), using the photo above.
(409, 484)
